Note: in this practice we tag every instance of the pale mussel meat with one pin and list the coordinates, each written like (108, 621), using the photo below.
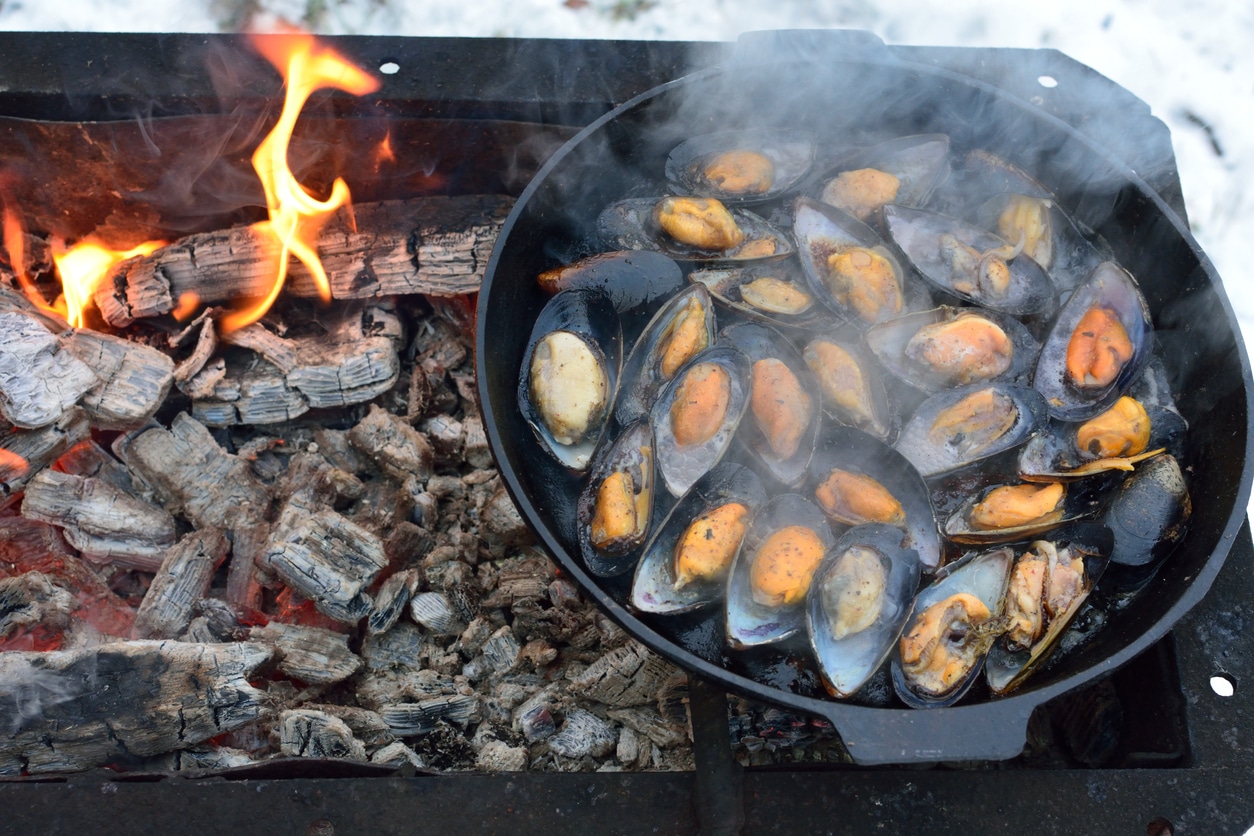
(615, 508)
(947, 347)
(694, 229)
(957, 427)
(1051, 237)
(783, 423)
(971, 263)
(570, 374)
(740, 166)
(903, 170)
(681, 329)
(849, 267)
(1096, 347)
(858, 603)
(696, 415)
(856, 480)
(685, 564)
(951, 629)
(1049, 584)
(851, 389)
(771, 575)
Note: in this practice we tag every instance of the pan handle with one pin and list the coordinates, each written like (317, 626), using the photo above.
(994, 730)
(825, 45)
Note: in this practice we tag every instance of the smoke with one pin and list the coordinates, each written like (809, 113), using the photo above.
(29, 691)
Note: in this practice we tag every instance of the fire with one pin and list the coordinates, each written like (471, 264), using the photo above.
(81, 268)
(384, 153)
(296, 215)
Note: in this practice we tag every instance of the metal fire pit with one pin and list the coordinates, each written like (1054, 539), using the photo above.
(1207, 780)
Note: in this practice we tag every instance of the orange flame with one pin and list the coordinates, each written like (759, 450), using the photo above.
(82, 268)
(296, 216)
(384, 153)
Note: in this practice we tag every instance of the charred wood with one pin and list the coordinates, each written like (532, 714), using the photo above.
(627, 676)
(99, 520)
(183, 579)
(39, 377)
(434, 245)
(396, 447)
(23, 453)
(33, 599)
(73, 710)
(304, 733)
(133, 379)
(309, 654)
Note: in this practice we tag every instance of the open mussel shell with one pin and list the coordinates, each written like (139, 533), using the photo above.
(567, 404)
(775, 293)
(956, 427)
(858, 603)
(1149, 513)
(769, 580)
(1054, 454)
(849, 267)
(740, 166)
(1052, 238)
(946, 347)
(1111, 299)
(951, 629)
(783, 423)
(655, 588)
(963, 260)
(684, 456)
(1008, 665)
(629, 224)
(615, 508)
(682, 328)
(979, 176)
(850, 384)
(854, 452)
(918, 164)
(1066, 505)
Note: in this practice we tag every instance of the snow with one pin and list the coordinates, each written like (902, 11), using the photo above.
(1189, 61)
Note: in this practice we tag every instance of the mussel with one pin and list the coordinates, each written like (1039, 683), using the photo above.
(616, 506)
(1149, 513)
(1009, 512)
(686, 563)
(691, 229)
(773, 571)
(903, 171)
(774, 293)
(953, 626)
(570, 374)
(852, 391)
(681, 329)
(858, 603)
(1096, 347)
(697, 414)
(740, 166)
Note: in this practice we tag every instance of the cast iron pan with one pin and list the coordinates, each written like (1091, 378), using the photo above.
(865, 95)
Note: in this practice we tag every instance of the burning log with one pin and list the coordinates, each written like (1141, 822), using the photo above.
(326, 559)
(431, 245)
(39, 378)
(134, 379)
(183, 578)
(30, 451)
(99, 520)
(74, 710)
(194, 476)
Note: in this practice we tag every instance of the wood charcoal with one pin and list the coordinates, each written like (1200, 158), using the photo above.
(275, 350)
(407, 544)
(499, 756)
(446, 436)
(366, 725)
(411, 719)
(396, 447)
(248, 547)
(30, 545)
(223, 619)
(335, 447)
(538, 653)
(326, 559)
(33, 599)
(652, 725)
(475, 447)
(434, 612)
(309, 654)
(391, 600)
(133, 379)
(534, 718)
(584, 734)
(190, 367)
(418, 397)
(251, 391)
(39, 377)
(89, 459)
(626, 676)
(629, 748)
(432, 245)
(501, 650)
(74, 710)
(313, 481)
(183, 579)
(304, 733)
(23, 453)
(382, 505)
(397, 754)
(501, 526)
(99, 520)
(194, 476)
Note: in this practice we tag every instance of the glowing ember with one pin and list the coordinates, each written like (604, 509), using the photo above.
(188, 303)
(82, 268)
(295, 214)
(12, 466)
